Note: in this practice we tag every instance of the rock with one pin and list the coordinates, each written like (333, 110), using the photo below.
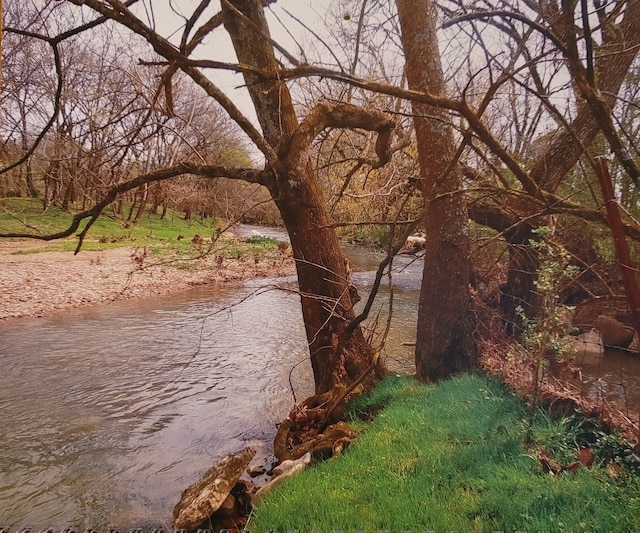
(256, 470)
(586, 313)
(284, 470)
(614, 333)
(202, 499)
(285, 467)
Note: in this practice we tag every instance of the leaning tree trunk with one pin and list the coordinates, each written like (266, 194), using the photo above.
(444, 342)
(338, 357)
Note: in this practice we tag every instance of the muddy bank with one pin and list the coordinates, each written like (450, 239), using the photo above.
(35, 284)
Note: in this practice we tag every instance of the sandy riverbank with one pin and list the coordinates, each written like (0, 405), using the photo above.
(35, 284)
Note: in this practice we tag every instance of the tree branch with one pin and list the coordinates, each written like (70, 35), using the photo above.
(165, 49)
(501, 13)
(325, 115)
(56, 107)
(208, 171)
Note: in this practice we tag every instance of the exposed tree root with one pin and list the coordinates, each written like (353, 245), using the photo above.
(315, 425)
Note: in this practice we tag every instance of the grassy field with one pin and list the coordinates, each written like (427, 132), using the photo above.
(169, 235)
(453, 457)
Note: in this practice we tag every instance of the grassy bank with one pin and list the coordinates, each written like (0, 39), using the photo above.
(168, 235)
(453, 457)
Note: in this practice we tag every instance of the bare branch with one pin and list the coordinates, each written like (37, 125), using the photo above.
(165, 49)
(325, 115)
(56, 106)
(208, 171)
(499, 13)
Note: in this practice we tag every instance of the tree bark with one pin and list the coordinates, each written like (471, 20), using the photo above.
(338, 357)
(444, 342)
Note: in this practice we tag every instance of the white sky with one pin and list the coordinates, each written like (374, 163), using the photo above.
(218, 46)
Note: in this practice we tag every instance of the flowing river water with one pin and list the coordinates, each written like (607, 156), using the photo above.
(107, 413)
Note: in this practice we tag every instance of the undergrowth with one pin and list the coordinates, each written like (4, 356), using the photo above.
(452, 457)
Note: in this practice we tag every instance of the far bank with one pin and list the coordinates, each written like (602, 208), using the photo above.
(35, 281)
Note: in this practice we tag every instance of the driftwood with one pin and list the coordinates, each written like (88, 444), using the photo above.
(330, 443)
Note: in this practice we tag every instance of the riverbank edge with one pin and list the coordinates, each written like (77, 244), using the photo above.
(332, 489)
(36, 281)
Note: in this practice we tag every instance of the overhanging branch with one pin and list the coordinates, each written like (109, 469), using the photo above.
(207, 171)
(324, 116)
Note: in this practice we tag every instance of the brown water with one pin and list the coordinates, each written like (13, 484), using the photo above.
(108, 413)
(610, 375)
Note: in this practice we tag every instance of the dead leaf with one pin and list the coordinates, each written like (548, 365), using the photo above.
(585, 456)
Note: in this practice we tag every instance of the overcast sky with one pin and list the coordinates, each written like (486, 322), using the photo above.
(284, 29)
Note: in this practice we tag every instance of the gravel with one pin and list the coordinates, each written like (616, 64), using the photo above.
(35, 284)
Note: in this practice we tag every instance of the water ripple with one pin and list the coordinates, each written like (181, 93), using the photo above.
(118, 406)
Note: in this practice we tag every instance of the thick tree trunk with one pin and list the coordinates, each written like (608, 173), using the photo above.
(338, 357)
(69, 196)
(444, 343)
(1, 27)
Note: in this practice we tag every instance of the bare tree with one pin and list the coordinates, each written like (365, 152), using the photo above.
(24, 100)
(559, 36)
(341, 356)
(525, 120)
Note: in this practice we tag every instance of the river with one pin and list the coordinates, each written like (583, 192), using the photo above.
(109, 412)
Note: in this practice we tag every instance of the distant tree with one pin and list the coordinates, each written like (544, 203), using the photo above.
(24, 100)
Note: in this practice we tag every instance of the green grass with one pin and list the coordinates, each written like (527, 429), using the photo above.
(160, 235)
(449, 458)
(23, 215)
